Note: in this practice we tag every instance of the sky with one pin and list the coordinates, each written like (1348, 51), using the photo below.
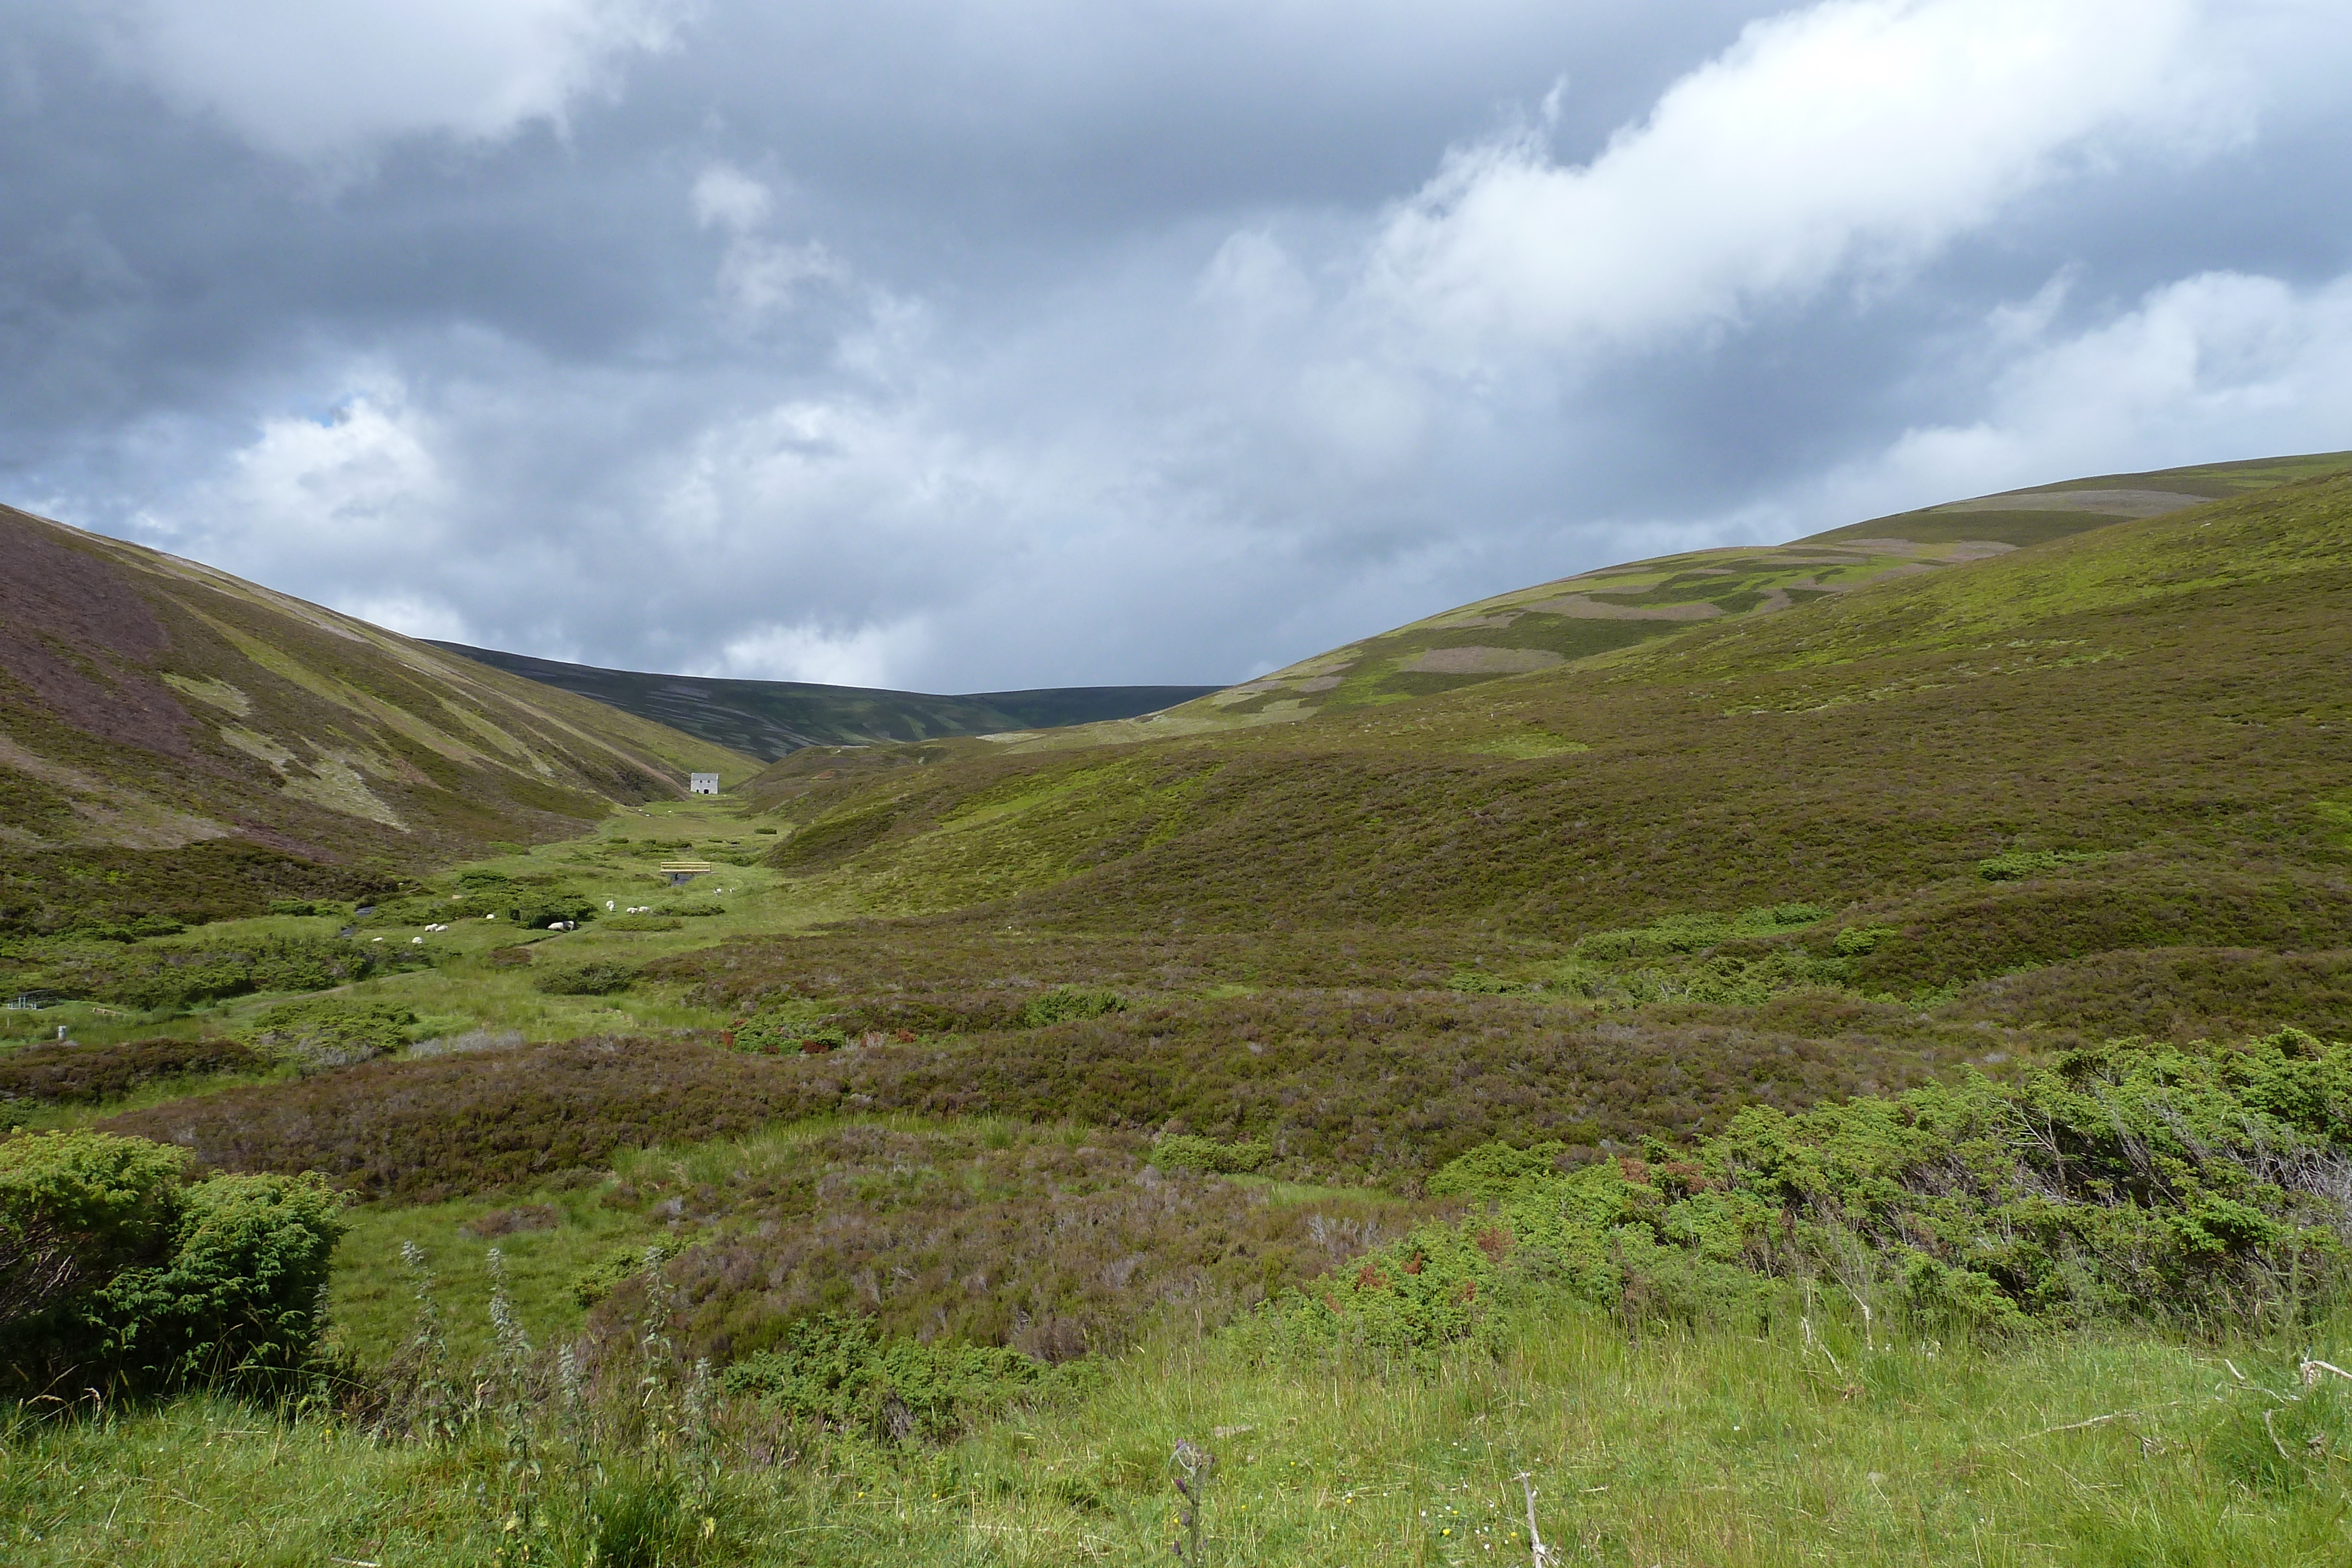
(965, 345)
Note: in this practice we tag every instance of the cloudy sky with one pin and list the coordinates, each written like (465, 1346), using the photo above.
(973, 344)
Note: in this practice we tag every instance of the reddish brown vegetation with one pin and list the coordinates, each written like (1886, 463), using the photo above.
(426, 1130)
(1342, 1085)
(65, 1072)
(1053, 1247)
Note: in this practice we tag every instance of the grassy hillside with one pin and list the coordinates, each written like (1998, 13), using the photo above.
(2158, 692)
(1862, 1082)
(1597, 613)
(769, 719)
(166, 730)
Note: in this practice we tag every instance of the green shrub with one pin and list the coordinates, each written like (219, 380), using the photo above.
(2016, 865)
(615, 1268)
(2126, 1182)
(537, 908)
(1184, 1152)
(834, 1368)
(641, 922)
(1492, 1169)
(330, 1032)
(1694, 933)
(1064, 1003)
(161, 976)
(597, 977)
(693, 908)
(1856, 940)
(419, 909)
(136, 929)
(116, 1274)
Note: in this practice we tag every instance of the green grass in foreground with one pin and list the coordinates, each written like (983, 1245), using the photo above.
(1672, 1447)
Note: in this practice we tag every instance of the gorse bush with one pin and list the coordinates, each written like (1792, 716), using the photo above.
(1491, 1170)
(331, 1032)
(772, 1035)
(117, 1273)
(178, 975)
(834, 1368)
(2016, 865)
(1184, 1152)
(2124, 1183)
(614, 1269)
(1677, 934)
(597, 977)
(1064, 1003)
(536, 908)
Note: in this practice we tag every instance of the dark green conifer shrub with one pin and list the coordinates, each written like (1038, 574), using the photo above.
(179, 975)
(1184, 1152)
(536, 908)
(832, 1367)
(117, 1274)
(1064, 1003)
(597, 977)
(327, 1032)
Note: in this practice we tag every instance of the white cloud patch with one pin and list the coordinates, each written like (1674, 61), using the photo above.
(1860, 135)
(2211, 367)
(365, 476)
(349, 507)
(411, 615)
(731, 198)
(858, 656)
(757, 275)
(312, 81)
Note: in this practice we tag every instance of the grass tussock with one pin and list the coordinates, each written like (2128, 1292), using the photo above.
(1691, 1446)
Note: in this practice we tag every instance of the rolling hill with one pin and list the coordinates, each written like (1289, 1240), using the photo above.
(770, 719)
(2165, 691)
(167, 728)
(1596, 614)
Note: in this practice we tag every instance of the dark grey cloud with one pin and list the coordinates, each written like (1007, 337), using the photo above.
(981, 345)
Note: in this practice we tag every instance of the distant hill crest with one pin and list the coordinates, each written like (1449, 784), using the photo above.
(771, 719)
